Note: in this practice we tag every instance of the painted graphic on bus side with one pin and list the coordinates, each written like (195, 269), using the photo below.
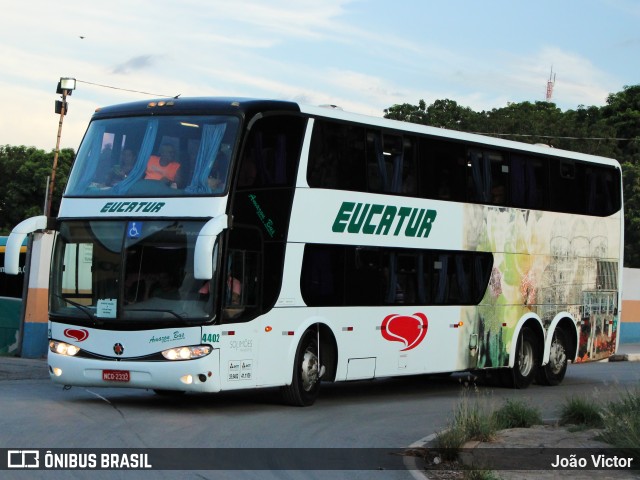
(409, 330)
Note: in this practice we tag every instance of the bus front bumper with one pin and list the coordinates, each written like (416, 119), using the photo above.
(199, 375)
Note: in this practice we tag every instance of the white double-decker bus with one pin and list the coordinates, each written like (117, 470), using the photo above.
(214, 244)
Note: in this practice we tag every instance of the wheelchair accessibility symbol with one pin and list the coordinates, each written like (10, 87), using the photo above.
(134, 229)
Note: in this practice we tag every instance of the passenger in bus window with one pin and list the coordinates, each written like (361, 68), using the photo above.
(218, 177)
(409, 183)
(233, 297)
(166, 287)
(444, 185)
(233, 293)
(234, 287)
(165, 166)
(121, 171)
(248, 174)
(498, 194)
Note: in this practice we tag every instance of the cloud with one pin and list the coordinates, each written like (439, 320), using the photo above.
(136, 63)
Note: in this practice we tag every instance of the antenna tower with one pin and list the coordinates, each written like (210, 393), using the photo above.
(550, 84)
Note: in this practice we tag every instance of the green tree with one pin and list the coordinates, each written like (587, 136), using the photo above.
(524, 121)
(448, 114)
(442, 113)
(408, 113)
(26, 170)
(622, 113)
(622, 116)
(631, 188)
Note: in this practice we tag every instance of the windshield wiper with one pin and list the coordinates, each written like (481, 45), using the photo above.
(83, 308)
(171, 312)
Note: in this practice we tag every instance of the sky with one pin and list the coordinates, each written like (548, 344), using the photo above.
(362, 55)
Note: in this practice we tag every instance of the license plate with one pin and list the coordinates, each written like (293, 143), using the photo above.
(116, 375)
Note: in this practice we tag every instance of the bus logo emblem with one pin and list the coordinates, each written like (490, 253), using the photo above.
(79, 335)
(409, 330)
(118, 349)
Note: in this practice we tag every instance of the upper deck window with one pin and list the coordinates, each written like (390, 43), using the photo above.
(154, 156)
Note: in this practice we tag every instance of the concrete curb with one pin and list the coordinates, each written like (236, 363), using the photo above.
(625, 357)
(417, 472)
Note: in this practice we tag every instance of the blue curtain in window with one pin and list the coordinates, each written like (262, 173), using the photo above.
(442, 291)
(392, 285)
(263, 176)
(463, 281)
(518, 179)
(422, 279)
(271, 165)
(481, 173)
(396, 182)
(382, 169)
(207, 154)
(146, 148)
(281, 160)
(478, 276)
(91, 162)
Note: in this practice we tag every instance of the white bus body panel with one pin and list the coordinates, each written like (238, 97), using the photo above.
(316, 210)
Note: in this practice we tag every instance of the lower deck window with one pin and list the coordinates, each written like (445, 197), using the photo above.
(337, 275)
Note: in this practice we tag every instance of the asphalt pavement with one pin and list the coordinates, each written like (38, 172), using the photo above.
(539, 437)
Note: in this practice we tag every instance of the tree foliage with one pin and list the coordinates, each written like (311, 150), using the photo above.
(25, 171)
(612, 130)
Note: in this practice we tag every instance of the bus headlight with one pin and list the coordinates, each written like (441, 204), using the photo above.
(62, 348)
(187, 353)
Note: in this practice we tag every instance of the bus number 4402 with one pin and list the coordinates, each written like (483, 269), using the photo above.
(210, 338)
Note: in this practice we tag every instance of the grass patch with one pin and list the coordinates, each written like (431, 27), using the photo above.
(472, 420)
(517, 414)
(621, 422)
(479, 475)
(476, 419)
(581, 412)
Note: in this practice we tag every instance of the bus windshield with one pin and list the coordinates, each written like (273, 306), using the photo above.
(127, 272)
(154, 156)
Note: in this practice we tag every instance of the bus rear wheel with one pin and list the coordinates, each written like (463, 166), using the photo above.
(527, 360)
(553, 372)
(305, 383)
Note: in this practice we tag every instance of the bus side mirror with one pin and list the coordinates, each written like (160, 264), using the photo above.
(202, 256)
(14, 242)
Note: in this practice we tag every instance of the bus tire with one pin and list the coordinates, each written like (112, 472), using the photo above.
(305, 382)
(553, 372)
(527, 360)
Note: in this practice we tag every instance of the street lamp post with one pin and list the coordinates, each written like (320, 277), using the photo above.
(65, 87)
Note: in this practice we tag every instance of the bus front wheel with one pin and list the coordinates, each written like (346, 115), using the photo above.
(553, 372)
(527, 359)
(305, 383)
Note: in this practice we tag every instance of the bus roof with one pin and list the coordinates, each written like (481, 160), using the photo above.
(248, 107)
(444, 134)
(199, 105)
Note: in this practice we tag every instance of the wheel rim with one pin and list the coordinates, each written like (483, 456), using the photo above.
(309, 370)
(525, 358)
(557, 357)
